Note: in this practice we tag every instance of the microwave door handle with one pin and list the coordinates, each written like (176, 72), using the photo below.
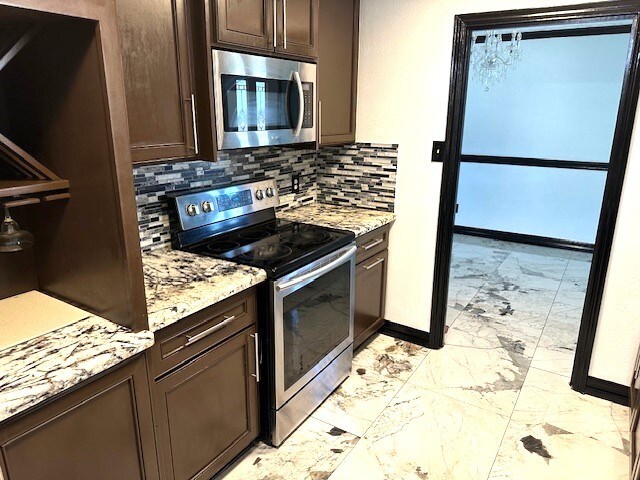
(317, 272)
(296, 131)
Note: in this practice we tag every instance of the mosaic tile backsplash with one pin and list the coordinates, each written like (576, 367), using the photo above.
(360, 175)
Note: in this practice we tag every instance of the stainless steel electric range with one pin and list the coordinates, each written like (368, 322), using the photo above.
(306, 329)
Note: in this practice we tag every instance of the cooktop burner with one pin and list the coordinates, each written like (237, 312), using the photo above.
(222, 246)
(261, 253)
(277, 246)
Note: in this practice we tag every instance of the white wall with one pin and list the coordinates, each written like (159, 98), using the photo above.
(548, 202)
(559, 103)
(407, 43)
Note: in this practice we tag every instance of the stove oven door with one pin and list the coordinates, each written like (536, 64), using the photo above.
(314, 308)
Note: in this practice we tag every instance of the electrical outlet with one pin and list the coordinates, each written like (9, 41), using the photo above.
(295, 183)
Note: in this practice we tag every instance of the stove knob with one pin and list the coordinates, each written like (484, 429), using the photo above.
(207, 207)
(270, 192)
(192, 210)
(259, 194)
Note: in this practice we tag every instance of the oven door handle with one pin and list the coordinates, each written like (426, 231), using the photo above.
(296, 131)
(317, 272)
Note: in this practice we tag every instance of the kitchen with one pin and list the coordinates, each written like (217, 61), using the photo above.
(232, 238)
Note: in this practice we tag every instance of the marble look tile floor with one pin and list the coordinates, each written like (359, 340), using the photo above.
(495, 403)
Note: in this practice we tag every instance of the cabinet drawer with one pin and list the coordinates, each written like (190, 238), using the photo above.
(372, 243)
(187, 338)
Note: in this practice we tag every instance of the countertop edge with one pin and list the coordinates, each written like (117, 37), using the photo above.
(43, 368)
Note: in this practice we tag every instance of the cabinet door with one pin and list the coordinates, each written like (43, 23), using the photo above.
(297, 28)
(207, 412)
(155, 56)
(244, 23)
(101, 431)
(371, 281)
(338, 70)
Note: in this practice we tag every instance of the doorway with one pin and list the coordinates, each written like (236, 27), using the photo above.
(498, 253)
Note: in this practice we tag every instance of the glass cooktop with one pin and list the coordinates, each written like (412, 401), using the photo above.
(277, 246)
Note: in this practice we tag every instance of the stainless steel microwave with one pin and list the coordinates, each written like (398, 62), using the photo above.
(263, 101)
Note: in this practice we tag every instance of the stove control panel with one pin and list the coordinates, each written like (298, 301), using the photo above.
(197, 208)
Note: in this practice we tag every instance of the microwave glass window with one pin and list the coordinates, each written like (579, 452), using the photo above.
(253, 104)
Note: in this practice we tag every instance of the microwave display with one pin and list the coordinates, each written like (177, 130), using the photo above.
(252, 104)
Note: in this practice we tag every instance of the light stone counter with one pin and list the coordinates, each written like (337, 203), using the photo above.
(358, 220)
(178, 284)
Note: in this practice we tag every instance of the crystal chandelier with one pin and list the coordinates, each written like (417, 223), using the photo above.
(491, 58)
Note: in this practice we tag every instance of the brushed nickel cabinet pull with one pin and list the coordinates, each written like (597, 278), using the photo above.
(320, 121)
(284, 24)
(275, 22)
(195, 125)
(257, 374)
(209, 331)
(377, 262)
(372, 244)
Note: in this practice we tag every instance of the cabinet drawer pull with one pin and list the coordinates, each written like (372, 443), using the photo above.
(257, 374)
(372, 244)
(209, 331)
(377, 262)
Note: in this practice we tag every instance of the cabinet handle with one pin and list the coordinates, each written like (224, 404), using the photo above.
(284, 24)
(275, 23)
(377, 262)
(320, 121)
(372, 244)
(209, 331)
(255, 342)
(195, 125)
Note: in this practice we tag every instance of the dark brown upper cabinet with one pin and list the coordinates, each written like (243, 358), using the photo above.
(154, 39)
(287, 28)
(297, 27)
(338, 71)
(247, 23)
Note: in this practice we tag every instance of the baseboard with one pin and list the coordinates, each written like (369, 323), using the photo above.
(614, 392)
(402, 332)
(523, 238)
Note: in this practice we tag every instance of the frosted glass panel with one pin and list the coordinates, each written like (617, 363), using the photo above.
(549, 202)
(559, 103)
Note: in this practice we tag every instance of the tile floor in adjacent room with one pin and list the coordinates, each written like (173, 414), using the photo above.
(495, 403)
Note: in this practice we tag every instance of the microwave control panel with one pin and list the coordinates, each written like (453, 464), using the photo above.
(307, 120)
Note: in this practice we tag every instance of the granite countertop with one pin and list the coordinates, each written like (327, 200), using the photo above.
(178, 284)
(357, 220)
(39, 368)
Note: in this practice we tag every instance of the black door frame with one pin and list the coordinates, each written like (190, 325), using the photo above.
(464, 24)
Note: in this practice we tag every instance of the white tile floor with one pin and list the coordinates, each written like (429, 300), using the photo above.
(495, 403)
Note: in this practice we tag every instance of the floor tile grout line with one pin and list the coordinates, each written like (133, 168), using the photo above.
(360, 438)
(548, 315)
(510, 417)
(527, 373)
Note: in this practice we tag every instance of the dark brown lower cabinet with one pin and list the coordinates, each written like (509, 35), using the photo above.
(371, 284)
(102, 431)
(207, 411)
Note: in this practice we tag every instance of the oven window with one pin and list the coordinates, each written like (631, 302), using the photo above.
(316, 320)
(252, 104)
